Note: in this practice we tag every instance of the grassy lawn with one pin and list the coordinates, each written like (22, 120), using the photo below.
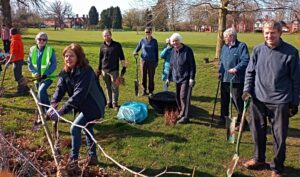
(153, 145)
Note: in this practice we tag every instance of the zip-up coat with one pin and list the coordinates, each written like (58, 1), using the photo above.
(183, 66)
(17, 47)
(166, 55)
(273, 75)
(236, 56)
(84, 90)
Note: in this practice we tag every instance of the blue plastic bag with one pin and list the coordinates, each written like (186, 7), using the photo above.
(135, 112)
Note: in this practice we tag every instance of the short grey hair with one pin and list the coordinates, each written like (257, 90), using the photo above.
(274, 25)
(230, 32)
(41, 35)
(176, 36)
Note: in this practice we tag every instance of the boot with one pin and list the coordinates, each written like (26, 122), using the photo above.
(115, 106)
(93, 160)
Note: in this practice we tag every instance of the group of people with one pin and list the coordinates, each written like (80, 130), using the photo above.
(270, 78)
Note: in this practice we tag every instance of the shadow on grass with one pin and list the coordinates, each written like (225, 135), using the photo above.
(19, 109)
(154, 172)
(121, 130)
(292, 172)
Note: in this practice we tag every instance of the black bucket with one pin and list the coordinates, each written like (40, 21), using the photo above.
(162, 99)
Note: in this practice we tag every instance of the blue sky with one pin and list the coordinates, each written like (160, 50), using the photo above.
(81, 7)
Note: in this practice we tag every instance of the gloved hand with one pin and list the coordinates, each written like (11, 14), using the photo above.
(293, 110)
(7, 65)
(53, 115)
(167, 82)
(246, 96)
(220, 77)
(191, 83)
(98, 72)
(37, 76)
(123, 71)
(43, 76)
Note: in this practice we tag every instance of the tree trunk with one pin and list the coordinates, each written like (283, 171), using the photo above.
(221, 27)
(6, 13)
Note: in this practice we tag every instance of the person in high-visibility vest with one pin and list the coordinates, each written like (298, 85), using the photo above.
(42, 65)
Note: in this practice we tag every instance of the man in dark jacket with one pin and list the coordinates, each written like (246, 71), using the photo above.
(272, 79)
(110, 54)
(234, 61)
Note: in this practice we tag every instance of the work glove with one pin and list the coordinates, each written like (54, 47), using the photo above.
(167, 82)
(191, 82)
(37, 76)
(7, 65)
(293, 110)
(53, 115)
(123, 71)
(246, 96)
(98, 72)
(220, 77)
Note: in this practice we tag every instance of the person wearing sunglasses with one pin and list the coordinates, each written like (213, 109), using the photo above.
(42, 65)
(149, 60)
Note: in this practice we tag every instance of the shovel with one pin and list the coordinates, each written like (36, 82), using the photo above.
(236, 156)
(230, 121)
(2, 89)
(136, 82)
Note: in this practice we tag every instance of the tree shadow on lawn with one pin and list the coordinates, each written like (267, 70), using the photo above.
(19, 109)
(122, 129)
(153, 172)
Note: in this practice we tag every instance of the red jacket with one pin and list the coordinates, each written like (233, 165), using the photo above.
(17, 47)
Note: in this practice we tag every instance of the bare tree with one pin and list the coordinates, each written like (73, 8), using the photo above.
(133, 18)
(234, 7)
(5, 8)
(59, 11)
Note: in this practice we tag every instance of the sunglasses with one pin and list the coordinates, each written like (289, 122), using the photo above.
(147, 32)
(41, 39)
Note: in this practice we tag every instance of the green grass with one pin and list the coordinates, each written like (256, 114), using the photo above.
(153, 145)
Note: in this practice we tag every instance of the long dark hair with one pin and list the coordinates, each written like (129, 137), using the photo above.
(82, 61)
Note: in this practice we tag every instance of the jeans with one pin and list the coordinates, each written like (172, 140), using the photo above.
(76, 138)
(42, 92)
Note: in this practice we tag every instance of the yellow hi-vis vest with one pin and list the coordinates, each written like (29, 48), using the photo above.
(45, 63)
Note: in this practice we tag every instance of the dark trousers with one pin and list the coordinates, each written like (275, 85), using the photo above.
(237, 91)
(6, 45)
(148, 69)
(181, 97)
(279, 120)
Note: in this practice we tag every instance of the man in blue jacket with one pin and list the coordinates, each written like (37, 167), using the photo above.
(149, 59)
(234, 61)
(272, 79)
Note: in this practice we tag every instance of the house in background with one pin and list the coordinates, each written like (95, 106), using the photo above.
(295, 26)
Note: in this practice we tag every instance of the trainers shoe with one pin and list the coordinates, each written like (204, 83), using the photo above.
(275, 174)
(109, 105)
(253, 164)
(183, 120)
(115, 106)
(89, 161)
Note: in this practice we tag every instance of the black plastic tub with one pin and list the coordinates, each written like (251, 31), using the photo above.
(162, 99)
